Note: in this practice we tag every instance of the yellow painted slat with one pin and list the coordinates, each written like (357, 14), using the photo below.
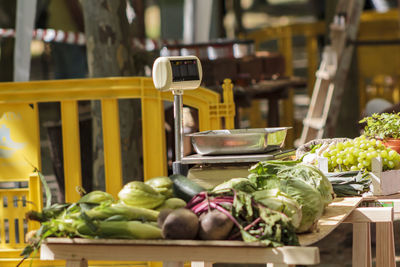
(2, 217)
(229, 104)
(82, 89)
(35, 196)
(11, 228)
(71, 149)
(112, 146)
(204, 122)
(37, 161)
(10, 257)
(154, 144)
(21, 233)
(21, 123)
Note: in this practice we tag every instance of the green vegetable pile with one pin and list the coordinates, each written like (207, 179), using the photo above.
(347, 184)
(247, 217)
(384, 125)
(276, 201)
(98, 215)
(352, 154)
(304, 183)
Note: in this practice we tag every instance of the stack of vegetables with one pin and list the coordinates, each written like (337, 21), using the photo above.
(353, 154)
(98, 215)
(276, 201)
(349, 161)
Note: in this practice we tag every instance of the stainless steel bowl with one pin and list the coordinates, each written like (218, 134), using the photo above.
(238, 141)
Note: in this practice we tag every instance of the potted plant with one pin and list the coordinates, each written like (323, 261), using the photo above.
(384, 126)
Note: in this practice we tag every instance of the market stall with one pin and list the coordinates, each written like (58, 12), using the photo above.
(97, 223)
(77, 252)
(121, 229)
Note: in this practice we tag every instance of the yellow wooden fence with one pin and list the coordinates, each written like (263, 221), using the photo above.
(19, 133)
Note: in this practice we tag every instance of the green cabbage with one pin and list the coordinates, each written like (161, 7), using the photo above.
(314, 177)
(310, 200)
(279, 201)
(139, 194)
(305, 184)
(238, 184)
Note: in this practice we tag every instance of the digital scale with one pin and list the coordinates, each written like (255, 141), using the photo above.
(180, 73)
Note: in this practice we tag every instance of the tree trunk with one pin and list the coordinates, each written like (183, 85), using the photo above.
(138, 22)
(7, 20)
(109, 54)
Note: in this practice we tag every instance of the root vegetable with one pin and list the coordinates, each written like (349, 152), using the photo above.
(215, 226)
(162, 216)
(180, 224)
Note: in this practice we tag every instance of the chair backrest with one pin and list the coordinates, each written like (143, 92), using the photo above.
(108, 90)
(20, 190)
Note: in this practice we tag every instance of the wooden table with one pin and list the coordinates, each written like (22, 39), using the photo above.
(174, 253)
(273, 91)
(334, 214)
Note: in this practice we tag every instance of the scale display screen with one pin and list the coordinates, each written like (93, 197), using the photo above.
(184, 70)
(177, 73)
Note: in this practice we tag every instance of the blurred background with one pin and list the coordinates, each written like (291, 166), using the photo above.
(270, 49)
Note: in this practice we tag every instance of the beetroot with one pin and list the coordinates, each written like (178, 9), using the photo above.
(180, 224)
(215, 225)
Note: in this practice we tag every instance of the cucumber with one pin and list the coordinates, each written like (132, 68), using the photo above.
(184, 188)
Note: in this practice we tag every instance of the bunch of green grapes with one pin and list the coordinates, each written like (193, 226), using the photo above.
(356, 154)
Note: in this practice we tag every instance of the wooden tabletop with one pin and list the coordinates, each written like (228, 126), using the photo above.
(174, 251)
(199, 250)
(270, 86)
(333, 215)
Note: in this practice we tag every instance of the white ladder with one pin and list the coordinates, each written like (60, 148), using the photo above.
(331, 76)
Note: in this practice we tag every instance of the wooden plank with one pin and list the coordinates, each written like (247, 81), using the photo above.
(362, 245)
(170, 250)
(378, 214)
(154, 242)
(334, 214)
(201, 264)
(77, 263)
(173, 264)
(385, 254)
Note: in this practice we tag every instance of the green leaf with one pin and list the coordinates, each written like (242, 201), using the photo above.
(385, 125)
(46, 189)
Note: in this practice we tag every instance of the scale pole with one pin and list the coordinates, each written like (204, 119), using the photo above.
(178, 124)
(177, 74)
(177, 166)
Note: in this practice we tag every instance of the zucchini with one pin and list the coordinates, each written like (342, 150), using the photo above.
(184, 188)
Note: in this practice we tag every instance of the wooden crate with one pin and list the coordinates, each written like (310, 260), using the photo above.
(384, 182)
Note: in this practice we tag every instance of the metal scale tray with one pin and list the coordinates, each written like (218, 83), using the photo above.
(238, 146)
(247, 158)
